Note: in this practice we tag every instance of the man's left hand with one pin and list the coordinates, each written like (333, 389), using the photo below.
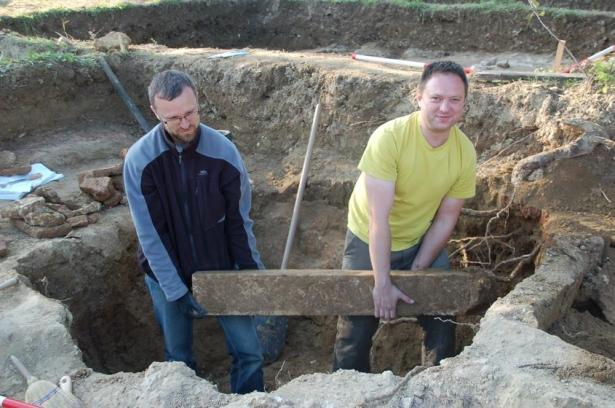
(385, 300)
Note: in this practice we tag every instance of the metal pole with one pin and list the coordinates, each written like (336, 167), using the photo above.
(306, 167)
(145, 126)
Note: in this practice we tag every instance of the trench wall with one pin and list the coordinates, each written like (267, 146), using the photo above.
(295, 25)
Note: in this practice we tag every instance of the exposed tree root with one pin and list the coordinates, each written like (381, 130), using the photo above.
(523, 259)
(593, 135)
(468, 244)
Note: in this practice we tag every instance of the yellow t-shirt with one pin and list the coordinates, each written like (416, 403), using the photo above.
(423, 175)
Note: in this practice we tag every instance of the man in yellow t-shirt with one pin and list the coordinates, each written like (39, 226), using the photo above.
(416, 172)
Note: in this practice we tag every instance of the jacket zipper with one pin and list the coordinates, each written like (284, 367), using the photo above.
(187, 217)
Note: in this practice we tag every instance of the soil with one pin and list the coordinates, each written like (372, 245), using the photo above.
(309, 25)
(67, 116)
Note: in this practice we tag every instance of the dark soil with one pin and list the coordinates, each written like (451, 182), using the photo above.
(302, 25)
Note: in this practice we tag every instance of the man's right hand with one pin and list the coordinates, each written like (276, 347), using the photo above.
(188, 305)
(386, 297)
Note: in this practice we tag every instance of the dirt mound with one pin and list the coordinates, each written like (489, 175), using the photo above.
(62, 111)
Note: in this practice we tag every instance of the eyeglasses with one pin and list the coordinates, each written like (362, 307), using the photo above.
(176, 120)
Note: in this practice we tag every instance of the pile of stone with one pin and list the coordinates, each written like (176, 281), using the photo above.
(43, 215)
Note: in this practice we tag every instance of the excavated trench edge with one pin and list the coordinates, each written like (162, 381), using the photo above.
(540, 299)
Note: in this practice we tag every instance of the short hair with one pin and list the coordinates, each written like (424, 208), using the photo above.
(443, 67)
(169, 85)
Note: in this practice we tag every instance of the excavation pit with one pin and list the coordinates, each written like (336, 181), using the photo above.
(65, 114)
(94, 272)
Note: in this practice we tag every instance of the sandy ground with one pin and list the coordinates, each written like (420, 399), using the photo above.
(506, 121)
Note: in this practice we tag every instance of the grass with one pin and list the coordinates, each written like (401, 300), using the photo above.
(55, 57)
(36, 50)
(48, 58)
(602, 74)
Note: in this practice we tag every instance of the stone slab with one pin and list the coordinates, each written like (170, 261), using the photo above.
(336, 292)
(43, 232)
(12, 171)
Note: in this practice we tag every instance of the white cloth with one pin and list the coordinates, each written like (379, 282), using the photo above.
(228, 54)
(15, 187)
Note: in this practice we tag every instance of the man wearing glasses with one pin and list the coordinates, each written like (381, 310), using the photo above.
(189, 197)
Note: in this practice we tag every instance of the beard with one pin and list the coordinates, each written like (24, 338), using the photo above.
(183, 136)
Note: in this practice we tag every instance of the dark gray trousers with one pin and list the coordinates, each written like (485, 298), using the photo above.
(354, 333)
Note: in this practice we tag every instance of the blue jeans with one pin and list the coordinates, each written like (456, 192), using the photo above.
(239, 332)
(354, 333)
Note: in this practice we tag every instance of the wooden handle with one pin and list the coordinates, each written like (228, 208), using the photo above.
(302, 182)
(22, 370)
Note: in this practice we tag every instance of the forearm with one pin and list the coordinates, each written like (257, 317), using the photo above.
(385, 294)
(380, 252)
(435, 239)
(238, 225)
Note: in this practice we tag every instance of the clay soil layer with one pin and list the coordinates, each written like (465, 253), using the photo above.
(558, 221)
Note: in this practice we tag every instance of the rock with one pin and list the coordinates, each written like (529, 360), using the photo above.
(7, 158)
(78, 200)
(83, 175)
(118, 183)
(44, 217)
(28, 203)
(3, 247)
(113, 41)
(115, 170)
(49, 194)
(123, 152)
(78, 221)
(100, 188)
(92, 207)
(22, 207)
(62, 209)
(43, 232)
(10, 212)
(12, 171)
(114, 200)
(93, 218)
